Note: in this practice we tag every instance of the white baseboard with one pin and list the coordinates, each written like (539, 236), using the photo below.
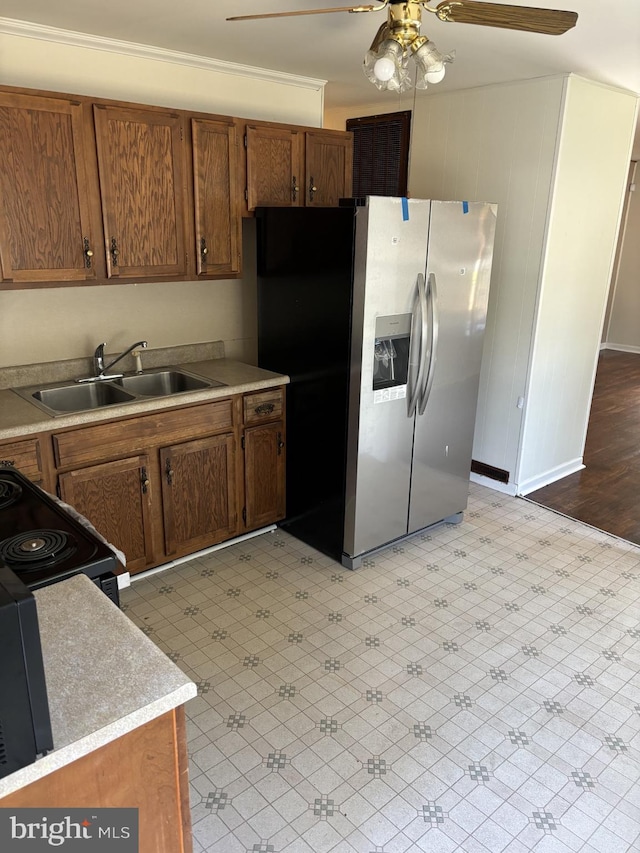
(620, 347)
(496, 485)
(551, 476)
(147, 574)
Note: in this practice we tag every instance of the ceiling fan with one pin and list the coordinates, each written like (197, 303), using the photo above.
(386, 63)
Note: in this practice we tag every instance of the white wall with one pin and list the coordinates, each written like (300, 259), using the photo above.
(56, 322)
(498, 144)
(503, 144)
(623, 327)
(47, 58)
(336, 117)
(588, 193)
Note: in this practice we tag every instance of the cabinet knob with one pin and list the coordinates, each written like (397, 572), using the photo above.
(203, 251)
(88, 254)
(144, 480)
(294, 188)
(168, 470)
(313, 189)
(114, 251)
(280, 443)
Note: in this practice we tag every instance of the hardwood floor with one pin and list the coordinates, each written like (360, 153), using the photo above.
(606, 494)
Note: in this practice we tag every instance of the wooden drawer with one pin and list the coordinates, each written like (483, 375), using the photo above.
(264, 406)
(135, 435)
(24, 455)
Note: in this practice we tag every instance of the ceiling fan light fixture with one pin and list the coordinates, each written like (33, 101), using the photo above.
(386, 62)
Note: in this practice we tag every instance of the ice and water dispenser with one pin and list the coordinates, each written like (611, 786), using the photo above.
(391, 357)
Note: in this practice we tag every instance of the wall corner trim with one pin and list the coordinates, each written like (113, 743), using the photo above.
(26, 29)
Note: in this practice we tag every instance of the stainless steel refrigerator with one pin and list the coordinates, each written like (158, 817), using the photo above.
(377, 312)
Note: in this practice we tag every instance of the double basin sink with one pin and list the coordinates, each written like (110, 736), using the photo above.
(71, 397)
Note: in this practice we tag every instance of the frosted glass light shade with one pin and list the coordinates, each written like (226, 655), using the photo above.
(430, 66)
(386, 67)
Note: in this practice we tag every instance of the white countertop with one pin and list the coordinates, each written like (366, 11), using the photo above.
(104, 676)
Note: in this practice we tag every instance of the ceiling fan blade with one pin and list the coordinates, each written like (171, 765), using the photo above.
(305, 12)
(548, 21)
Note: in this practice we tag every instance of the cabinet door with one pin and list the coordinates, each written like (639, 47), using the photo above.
(329, 168)
(45, 232)
(217, 210)
(199, 493)
(140, 162)
(115, 497)
(274, 167)
(264, 474)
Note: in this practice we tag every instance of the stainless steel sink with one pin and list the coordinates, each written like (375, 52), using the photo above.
(64, 399)
(162, 383)
(79, 398)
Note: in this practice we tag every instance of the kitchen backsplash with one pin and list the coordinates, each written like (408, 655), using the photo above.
(74, 368)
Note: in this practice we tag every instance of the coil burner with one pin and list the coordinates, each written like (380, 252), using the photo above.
(34, 549)
(9, 492)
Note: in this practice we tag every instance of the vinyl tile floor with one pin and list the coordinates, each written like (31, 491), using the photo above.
(472, 689)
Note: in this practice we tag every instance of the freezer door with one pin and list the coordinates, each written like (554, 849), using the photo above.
(457, 290)
(390, 255)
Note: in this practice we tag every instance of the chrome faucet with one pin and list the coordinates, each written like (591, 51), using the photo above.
(100, 368)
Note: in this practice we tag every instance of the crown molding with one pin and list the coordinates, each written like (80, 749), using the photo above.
(26, 29)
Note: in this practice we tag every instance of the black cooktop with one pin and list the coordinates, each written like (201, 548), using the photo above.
(40, 541)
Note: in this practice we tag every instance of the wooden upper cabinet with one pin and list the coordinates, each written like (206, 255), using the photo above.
(140, 164)
(329, 167)
(215, 192)
(275, 170)
(45, 230)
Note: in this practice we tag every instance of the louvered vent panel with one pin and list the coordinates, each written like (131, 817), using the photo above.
(380, 154)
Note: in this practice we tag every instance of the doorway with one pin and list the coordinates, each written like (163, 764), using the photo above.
(606, 493)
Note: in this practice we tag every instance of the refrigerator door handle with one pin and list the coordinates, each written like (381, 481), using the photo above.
(433, 329)
(419, 330)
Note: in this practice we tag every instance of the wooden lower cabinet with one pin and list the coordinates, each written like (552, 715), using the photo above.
(115, 497)
(170, 483)
(199, 493)
(144, 769)
(264, 473)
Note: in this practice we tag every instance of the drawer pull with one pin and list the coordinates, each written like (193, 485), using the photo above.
(8, 462)
(264, 408)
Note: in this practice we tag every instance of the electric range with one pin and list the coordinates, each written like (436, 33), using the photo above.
(42, 543)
